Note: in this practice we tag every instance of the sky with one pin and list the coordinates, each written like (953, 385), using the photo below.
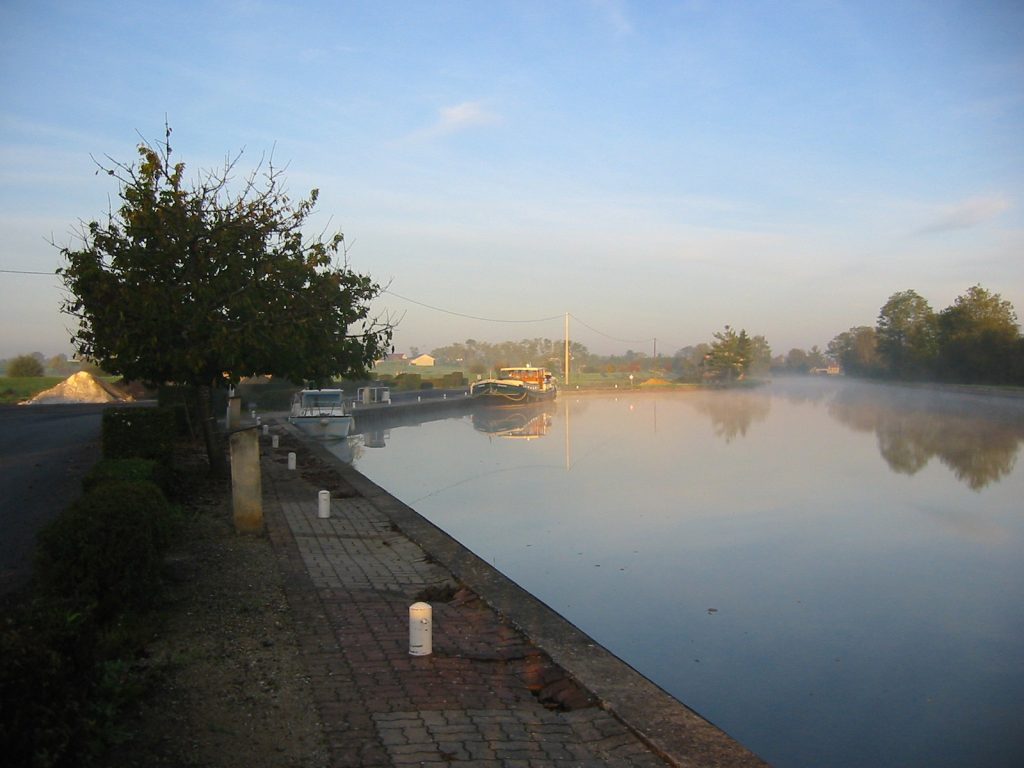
(656, 169)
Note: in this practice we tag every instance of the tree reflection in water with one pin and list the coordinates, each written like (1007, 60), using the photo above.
(976, 437)
(732, 413)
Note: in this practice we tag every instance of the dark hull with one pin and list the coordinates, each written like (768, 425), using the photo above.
(497, 393)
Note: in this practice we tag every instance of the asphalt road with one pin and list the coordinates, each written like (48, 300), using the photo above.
(45, 450)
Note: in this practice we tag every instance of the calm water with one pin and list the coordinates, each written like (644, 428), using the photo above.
(830, 572)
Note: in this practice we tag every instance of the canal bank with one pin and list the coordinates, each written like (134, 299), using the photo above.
(510, 682)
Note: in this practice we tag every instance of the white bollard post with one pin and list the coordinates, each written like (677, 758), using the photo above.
(421, 639)
(259, 420)
(275, 441)
(324, 505)
(266, 430)
(291, 461)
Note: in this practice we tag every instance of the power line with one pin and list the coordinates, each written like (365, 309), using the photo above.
(24, 272)
(537, 320)
(471, 317)
(609, 336)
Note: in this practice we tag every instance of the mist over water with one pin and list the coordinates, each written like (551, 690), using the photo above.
(829, 571)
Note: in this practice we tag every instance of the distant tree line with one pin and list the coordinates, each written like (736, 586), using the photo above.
(731, 356)
(36, 364)
(479, 357)
(975, 340)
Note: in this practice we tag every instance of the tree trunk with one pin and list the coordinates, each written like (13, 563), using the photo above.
(208, 423)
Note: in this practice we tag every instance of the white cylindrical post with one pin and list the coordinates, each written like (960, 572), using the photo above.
(323, 510)
(259, 419)
(275, 441)
(421, 620)
(291, 461)
(252, 413)
(266, 429)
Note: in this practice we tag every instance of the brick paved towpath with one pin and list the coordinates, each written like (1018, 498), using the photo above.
(509, 683)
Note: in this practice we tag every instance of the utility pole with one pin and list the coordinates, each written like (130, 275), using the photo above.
(566, 349)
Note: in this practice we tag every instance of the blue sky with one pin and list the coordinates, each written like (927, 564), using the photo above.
(658, 169)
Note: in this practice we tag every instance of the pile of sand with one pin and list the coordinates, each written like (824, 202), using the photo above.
(81, 387)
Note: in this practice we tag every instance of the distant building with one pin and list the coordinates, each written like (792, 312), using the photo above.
(831, 370)
(425, 361)
(394, 357)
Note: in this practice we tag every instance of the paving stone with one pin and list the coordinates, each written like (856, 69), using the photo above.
(349, 581)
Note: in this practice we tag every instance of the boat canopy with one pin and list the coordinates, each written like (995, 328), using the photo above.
(525, 373)
(319, 402)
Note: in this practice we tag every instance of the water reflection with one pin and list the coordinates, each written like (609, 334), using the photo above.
(733, 413)
(526, 423)
(977, 439)
(866, 611)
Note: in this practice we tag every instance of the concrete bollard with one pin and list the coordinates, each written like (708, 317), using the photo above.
(266, 429)
(421, 638)
(246, 482)
(275, 442)
(323, 509)
(291, 461)
(259, 420)
(234, 414)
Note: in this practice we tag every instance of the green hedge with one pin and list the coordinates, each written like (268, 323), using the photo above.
(146, 433)
(106, 551)
(66, 649)
(48, 674)
(452, 380)
(133, 470)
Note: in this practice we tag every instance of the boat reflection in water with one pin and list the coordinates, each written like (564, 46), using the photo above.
(521, 423)
(859, 544)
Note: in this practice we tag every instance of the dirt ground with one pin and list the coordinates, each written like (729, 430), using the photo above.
(226, 684)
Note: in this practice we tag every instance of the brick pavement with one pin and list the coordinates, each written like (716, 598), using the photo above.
(486, 696)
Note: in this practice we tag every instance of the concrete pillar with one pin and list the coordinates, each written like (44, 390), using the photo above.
(234, 418)
(246, 481)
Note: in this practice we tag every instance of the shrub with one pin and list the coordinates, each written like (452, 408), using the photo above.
(146, 433)
(47, 670)
(24, 366)
(407, 382)
(182, 401)
(132, 470)
(106, 550)
(453, 380)
(267, 394)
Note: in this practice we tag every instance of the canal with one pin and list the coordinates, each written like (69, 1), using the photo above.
(831, 572)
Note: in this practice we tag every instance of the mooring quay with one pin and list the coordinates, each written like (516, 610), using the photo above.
(423, 402)
(509, 682)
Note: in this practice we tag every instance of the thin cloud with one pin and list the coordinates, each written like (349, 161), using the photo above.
(615, 14)
(457, 118)
(965, 214)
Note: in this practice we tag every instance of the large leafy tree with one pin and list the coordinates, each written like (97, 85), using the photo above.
(978, 336)
(202, 282)
(907, 335)
(856, 350)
